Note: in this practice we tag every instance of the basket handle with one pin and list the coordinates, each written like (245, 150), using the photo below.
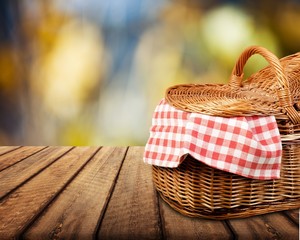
(283, 91)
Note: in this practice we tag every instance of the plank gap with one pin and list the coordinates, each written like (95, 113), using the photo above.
(21, 159)
(230, 229)
(50, 200)
(76, 211)
(8, 149)
(98, 226)
(160, 216)
(132, 210)
(267, 226)
(194, 227)
(293, 215)
(35, 174)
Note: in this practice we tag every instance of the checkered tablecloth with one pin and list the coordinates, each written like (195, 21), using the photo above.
(247, 146)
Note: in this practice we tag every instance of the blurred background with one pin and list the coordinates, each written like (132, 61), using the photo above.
(90, 72)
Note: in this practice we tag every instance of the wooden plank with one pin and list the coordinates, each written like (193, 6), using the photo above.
(268, 226)
(132, 212)
(15, 175)
(294, 215)
(5, 149)
(178, 226)
(23, 205)
(18, 155)
(90, 190)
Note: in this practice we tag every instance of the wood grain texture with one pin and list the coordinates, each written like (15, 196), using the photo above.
(268, 226)
(177, 227)
(294, 215)
(132, 212)
(85, 193)
(5, 149)
(76, 212)
(22, 206)
(15, 175)
(17, 155)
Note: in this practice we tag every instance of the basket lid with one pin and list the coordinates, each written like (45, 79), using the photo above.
(254, 96)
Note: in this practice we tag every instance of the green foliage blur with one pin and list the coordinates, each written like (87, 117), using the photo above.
(91, 72)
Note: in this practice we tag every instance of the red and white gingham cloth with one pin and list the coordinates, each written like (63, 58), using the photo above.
(247, 146)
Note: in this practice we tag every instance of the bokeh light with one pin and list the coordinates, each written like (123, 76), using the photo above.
(89, 72)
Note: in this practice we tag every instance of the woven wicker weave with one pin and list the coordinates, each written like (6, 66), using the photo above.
(195, 189)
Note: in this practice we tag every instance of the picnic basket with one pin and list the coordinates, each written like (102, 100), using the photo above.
(198, 190)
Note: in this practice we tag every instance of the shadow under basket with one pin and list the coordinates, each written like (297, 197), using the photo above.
(197, 190)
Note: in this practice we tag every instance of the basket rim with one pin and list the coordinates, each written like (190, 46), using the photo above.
(235, 98)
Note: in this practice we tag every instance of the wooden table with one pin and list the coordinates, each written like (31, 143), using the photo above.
(105, 193)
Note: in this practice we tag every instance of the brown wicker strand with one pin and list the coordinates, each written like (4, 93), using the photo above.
(197, 190)
(270, 57)
(283, 91)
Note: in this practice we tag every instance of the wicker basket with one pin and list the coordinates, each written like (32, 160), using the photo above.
(197, 190)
